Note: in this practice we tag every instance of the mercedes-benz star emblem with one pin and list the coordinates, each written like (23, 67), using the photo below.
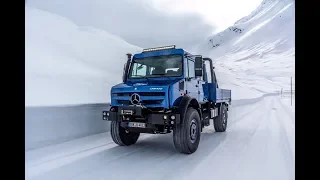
(135, 98)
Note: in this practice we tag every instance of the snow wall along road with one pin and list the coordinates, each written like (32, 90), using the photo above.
(68, 64)
(55, 124)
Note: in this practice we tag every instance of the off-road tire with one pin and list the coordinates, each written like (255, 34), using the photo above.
(184, 140)
(221, 122)
(121, 137)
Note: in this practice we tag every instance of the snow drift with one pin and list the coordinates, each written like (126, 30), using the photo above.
(69, 64)
(255, 56)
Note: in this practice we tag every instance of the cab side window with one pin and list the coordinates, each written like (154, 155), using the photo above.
(139, 70)
(215, 78)
(204, 76)
(191, 70)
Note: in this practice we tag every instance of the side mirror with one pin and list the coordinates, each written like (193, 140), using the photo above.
(198, 66)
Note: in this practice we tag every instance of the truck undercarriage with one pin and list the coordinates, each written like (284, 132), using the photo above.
(140, 119)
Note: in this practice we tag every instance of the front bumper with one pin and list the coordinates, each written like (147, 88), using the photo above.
(140, 114)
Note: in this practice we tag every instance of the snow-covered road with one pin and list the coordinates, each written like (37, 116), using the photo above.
(258, 144)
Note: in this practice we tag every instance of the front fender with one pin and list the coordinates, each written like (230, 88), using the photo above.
(186, 102)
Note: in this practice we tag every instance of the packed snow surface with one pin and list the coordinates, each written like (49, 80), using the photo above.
(258, 144)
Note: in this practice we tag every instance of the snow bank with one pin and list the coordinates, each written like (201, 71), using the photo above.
(45, 126)
(256, 55)
(68, 64)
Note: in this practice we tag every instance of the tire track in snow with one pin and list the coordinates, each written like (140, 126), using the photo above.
(228, 154)
(78, 152)
(258, 143)
(262, 119)
(59, 157)
(68, 155)
(288, 111)
(287, 130)
(156, 158)
(151, 150)
(268, 149)
(238, 118)
(65, 161)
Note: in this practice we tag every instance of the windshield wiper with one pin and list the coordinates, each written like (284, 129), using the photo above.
(142, 77)
(161, 75)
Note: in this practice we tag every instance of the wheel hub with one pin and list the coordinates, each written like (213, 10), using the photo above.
(193, 131)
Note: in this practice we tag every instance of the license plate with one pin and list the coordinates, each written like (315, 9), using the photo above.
(137, 124)
(127, 112)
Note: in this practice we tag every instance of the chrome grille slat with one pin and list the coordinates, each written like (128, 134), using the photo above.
(142, 94)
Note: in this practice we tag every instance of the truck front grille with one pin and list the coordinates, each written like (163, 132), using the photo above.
(142, 94)
(144, 102)
(147, 98)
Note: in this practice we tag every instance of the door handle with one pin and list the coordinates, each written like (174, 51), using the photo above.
(197, 85)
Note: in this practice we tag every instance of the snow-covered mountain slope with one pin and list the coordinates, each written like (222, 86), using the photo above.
(68, 64)
(256, 54)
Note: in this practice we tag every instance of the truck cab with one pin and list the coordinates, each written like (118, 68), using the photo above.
(162, 89)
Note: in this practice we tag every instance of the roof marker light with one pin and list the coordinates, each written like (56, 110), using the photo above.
(159, 48)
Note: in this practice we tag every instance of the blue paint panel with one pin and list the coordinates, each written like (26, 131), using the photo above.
(209, 91)
(174, 94)
(142, 97)
(171, 90)
(214, 94)
(139, 88)
(159, 53)
(212, 91)
(205, 91)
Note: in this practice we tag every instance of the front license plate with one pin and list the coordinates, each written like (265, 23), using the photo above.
(127, 112)
(137, 124)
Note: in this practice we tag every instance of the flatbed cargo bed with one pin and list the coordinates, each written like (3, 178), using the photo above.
(216, 95)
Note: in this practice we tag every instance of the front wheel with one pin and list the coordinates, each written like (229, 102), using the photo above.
(121, 136)
(186, 135)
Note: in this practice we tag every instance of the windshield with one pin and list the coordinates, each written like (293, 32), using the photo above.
(159, 66)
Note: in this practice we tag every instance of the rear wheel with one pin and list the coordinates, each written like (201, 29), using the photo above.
(121, 136)
(221, 122)
(186, 135)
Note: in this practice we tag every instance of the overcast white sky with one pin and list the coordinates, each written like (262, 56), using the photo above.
(220, 13)
(149, 23)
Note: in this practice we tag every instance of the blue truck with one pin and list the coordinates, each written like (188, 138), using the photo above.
(166, 89)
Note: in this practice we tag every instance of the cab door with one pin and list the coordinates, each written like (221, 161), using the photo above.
(199, 70)
(191, 81)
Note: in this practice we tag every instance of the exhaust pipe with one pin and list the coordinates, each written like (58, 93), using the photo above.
(126, 68)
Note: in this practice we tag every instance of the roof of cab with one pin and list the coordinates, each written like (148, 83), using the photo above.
(159, 51)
